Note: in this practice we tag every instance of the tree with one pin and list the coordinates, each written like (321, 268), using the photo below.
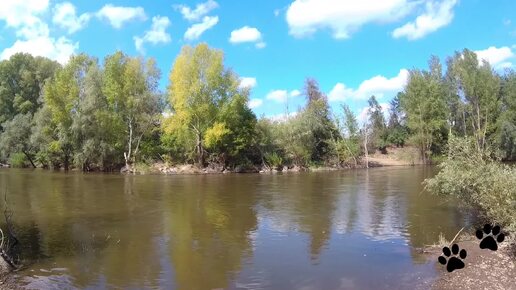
(22, 78)
(424, 103)
(377, 121)
(96, 131)
(506, 123)
(203, 95)
(350, 122)
(397, 131)
(478, 87)
(350, 142)
(318, 121)
(16, 137)
(62, 95)
(131, 89)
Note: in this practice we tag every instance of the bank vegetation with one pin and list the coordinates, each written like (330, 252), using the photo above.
(109, 115)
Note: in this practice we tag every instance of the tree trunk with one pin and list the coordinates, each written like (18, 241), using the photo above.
(30, 159)
(200, 151)
(66, 162)
(365, 148)
(127, 155)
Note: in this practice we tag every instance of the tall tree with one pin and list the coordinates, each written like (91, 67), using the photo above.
(62, 96)
(506, 123)
(478, 87)
(203, 94)
(424, 102)
(131, 88)
(318, 121)
(378, 127)
(397, 131)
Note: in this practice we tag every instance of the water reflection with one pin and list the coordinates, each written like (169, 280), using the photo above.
(338, 230)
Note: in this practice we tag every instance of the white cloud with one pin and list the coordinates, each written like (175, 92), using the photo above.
(342, 17)
(66, 17)
(157, 33)
(195, 31)
(36, 28)
(436, 15)
(23, 16)
(118, 15)
(17, 13)
(246, 82)
(247, 34)
(59, 50)
(378, 86)
(33, 33)
(200, 10)
(295, 93)
(255, 103)
(497, 57)
(281, 96)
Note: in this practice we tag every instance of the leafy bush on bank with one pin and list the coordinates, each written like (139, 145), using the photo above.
(478, 180)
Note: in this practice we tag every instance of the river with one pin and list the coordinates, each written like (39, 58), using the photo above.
(356, 229)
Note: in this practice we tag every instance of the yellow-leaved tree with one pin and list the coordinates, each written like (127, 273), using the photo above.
(209, 109)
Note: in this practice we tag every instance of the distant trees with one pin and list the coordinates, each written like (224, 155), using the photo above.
(95, 115)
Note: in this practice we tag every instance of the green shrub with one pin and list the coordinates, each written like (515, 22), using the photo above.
(18, 160)
(476, 179)
(274, 160)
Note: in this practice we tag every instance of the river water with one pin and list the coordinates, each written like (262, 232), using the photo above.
(356, 229)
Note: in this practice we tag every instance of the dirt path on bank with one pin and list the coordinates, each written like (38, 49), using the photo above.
(484, 269)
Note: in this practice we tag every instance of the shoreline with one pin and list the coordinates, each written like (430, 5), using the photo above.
(185, 169)
(484, 269)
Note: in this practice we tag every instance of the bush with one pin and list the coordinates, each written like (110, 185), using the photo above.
(478, 180)
(274, 160)
(18, 160)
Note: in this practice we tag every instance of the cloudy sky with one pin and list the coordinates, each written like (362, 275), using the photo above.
(353, 48)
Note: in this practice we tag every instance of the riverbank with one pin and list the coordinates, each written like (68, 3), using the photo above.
(407, 156)
(484, 269)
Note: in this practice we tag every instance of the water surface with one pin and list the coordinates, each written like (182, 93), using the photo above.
(330, 230)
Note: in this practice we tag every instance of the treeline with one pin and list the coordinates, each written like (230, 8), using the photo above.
(469, 100)
(93, 115)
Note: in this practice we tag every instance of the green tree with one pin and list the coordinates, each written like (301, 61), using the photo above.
(478, 88)
(506, 123)
(62, 96)
(22, 78)
(349, 144)
(378, 127)
(397, 131)
(318, 121)
(16, 137)
(424, 103)
(208, 106)
(131, 88)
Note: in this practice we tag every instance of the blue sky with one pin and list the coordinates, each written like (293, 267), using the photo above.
(353, 48)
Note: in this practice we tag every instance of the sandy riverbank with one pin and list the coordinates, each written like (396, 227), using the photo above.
(484, 269)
